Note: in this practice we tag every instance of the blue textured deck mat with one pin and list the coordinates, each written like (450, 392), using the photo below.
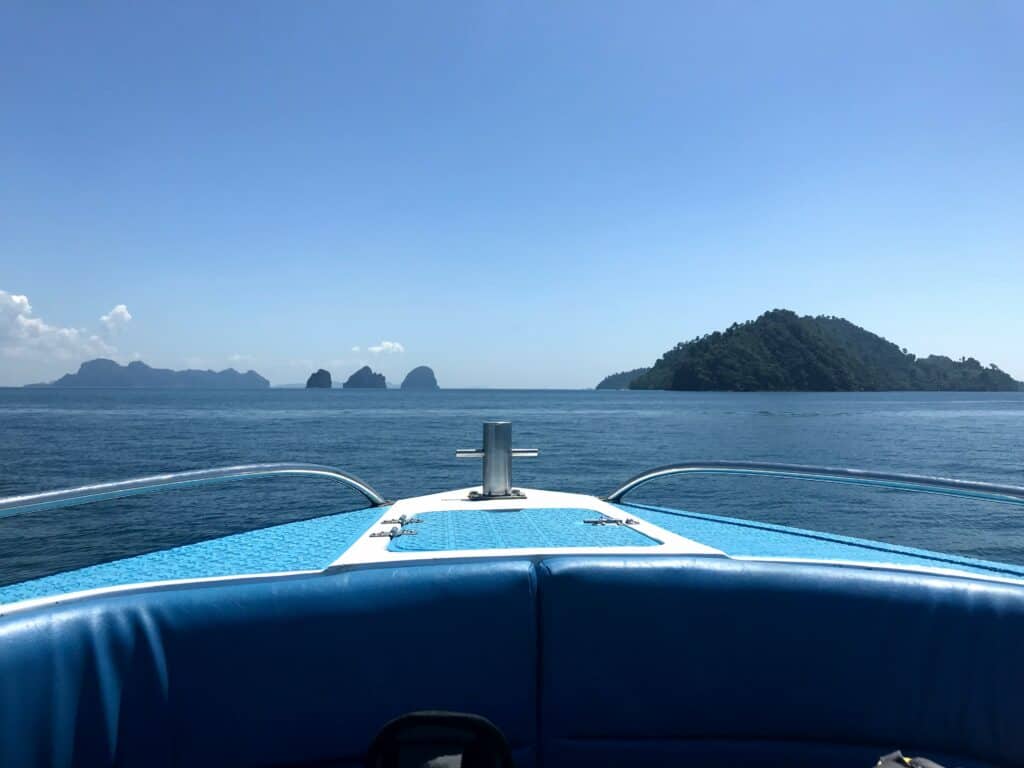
(515, 528)
(748, 538)
(302, 546)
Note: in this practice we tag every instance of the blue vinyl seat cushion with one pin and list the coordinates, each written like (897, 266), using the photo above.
(579, 660)
(714, 662)
(269, 672)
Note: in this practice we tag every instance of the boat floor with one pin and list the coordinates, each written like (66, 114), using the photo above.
(449, 525)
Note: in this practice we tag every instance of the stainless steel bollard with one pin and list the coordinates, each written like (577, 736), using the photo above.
(497, 453)
(497, 458)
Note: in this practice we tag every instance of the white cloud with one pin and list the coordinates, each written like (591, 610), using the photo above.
(240, 358)
(116, 319)
(22, 334)
(389, 347)
(355, 349)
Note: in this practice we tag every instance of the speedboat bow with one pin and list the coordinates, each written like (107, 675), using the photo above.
(587, 631)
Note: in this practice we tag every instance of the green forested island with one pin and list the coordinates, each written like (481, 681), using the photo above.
(783, 351)
(621, 380)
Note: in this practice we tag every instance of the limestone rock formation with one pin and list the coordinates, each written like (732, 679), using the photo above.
(319, 380)
(420, 378)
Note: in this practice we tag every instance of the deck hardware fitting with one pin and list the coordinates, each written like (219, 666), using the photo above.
(394, 533)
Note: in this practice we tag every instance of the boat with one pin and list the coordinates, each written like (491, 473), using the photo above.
(572, 630)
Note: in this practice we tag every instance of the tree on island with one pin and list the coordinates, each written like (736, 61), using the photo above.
(621, 380)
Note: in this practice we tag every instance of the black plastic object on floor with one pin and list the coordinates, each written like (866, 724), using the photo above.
(439, 740)
(897, 760)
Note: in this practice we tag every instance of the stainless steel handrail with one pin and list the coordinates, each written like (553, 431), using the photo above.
(87, 494)
(964, 488)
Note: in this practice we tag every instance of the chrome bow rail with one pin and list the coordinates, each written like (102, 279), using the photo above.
(86, 494)
(964, 488)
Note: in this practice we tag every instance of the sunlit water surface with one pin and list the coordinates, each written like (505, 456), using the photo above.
(403, 443)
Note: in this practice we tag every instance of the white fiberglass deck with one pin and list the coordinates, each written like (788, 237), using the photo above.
(484, 533)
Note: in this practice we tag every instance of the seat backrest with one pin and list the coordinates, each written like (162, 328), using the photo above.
(715, 662)
(594, 661)
(286, 671)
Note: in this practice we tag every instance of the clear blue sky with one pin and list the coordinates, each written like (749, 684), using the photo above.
(517, 193)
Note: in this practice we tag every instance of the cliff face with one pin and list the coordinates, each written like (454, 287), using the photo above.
(107, 373)
(319, 380)
(782, 351)
(365, 378)
(420, 378)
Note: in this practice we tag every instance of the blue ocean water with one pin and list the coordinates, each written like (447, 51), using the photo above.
(403, 443)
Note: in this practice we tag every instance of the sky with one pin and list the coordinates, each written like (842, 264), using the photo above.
(518, 194)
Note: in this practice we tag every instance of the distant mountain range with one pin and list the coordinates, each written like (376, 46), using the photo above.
(107, 373)
(782, 351)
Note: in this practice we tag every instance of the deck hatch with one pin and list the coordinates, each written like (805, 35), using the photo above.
(517, 528)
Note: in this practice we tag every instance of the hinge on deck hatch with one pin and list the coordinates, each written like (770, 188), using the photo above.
(401, 520)
(394, 533)
(612, 521)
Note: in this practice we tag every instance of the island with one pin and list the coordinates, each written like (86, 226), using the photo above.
(783, 351)
(319, 380)
(621, 380)
(107, 373)
(421, 377)
(365, 378)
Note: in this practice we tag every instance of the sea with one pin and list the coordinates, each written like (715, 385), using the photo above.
(403, 443)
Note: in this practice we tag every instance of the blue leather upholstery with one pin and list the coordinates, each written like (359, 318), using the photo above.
(595, 661)
(267, 673)
(711, 662)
